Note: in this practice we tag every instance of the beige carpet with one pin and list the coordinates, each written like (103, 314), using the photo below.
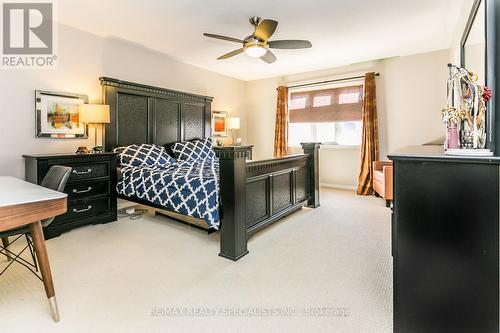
(322, 270)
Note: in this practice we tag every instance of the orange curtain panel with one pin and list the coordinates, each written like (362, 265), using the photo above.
(369, 143)
(281, 128)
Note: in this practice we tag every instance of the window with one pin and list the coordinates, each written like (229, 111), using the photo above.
(329, 116)
(322, 100)
(346, 133)
(349, 98)
(297, 103)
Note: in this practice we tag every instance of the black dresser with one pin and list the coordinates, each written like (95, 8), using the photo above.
(445, 242)
(90, 188)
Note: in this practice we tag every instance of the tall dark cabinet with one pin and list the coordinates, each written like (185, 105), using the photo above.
(445, 242)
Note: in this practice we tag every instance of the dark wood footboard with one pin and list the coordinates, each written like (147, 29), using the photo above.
(255, 194)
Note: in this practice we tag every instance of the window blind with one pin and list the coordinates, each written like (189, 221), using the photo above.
(326, 105)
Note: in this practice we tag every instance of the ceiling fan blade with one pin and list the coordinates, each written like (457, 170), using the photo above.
(289, 44)
(269, 57)
(265, 29)
(231, 54)
(231, 39)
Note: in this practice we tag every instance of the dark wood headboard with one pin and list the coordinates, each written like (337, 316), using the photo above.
(147, 114)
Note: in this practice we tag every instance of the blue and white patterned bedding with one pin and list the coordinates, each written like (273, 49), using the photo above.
(199, 149)
(187, 187)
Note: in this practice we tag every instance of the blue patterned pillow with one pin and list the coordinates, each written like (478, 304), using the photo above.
(194, 150)
(143, 155)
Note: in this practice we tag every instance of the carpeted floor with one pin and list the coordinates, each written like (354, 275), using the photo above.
(323, 270)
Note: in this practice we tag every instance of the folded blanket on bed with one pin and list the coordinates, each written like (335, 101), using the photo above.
(187, 187)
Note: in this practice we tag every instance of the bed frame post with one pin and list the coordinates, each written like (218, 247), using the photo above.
(312, 149)
(233, 232)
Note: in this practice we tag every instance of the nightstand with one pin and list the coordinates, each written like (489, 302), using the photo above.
(90, 188)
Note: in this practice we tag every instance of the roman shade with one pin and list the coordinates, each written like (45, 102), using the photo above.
(326, 105)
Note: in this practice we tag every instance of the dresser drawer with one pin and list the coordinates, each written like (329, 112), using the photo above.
(83, 209)
(88, 171)
(87, 189)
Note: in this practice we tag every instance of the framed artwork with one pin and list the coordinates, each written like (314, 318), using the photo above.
(219, 123)
(58, 116)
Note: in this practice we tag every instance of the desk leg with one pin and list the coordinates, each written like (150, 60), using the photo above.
(43, 261)
(5, 244)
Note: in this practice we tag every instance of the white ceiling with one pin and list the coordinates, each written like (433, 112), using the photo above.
(341, 31)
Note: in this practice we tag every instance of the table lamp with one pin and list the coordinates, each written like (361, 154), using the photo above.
(233, 124)
(95, 114)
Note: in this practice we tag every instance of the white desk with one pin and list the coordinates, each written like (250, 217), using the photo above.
(25, 204)
(14, 191)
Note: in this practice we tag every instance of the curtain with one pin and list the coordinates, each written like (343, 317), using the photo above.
(369, 143)
(281, 128)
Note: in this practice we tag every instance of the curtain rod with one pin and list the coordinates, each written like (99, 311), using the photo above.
(329, 81)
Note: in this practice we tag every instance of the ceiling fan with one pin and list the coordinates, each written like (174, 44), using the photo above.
(257, 45)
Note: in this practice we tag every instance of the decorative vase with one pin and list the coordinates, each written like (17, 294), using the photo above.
(453, 136)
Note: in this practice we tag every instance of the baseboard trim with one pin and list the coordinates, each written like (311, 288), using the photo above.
(339, 186)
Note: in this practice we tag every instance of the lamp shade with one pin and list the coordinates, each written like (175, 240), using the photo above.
(94, 113)
(233, 123)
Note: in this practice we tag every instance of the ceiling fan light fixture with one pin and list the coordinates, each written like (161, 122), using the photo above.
(255, 50)
(258, 45)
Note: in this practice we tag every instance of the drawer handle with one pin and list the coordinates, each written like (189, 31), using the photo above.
(82, 172)
(82, 191)
(89, 207)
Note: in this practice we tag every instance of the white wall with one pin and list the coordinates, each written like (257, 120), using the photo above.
(261, 100)
(411, 91)
(83, 58)
(339, 167)
(411, 95)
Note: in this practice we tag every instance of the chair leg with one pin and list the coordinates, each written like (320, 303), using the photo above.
(5, 244)
(32, 251)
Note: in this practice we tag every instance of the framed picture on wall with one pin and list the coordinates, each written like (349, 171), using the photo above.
(58, 115)
(219, 123)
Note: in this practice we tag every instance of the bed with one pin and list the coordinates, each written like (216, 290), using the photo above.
(225, 191)
(177, 187)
